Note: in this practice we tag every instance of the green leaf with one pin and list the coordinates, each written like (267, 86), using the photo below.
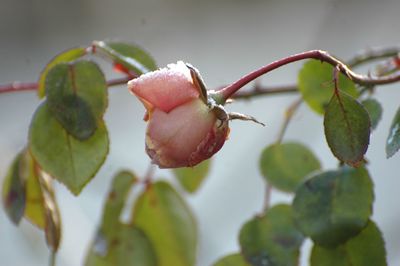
(333, 206)
(77, 96)
(271, 239)
(393, 140)
(66, 56)
(128, 247)
(121, 185)
(14, 192)
(41, 206)
(315, 83)
(367, 248)
(347, 128)
(232, 260)
(286, 165)
(118, 244)
(130, 56)
(374, 110)
(192, 177)
(166, 219)
(65, 158)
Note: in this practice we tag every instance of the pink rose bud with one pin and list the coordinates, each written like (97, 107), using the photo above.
(183, 129)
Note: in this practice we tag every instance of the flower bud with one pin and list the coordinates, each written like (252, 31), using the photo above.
(182, 129)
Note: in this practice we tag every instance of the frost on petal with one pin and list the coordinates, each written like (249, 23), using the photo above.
(165, 88)
(173, 137)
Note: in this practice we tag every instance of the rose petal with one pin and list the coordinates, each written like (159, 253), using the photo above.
(173, 137)
(211, 144)
(165, 88)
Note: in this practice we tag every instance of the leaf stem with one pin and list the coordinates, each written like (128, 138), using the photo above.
(323, 56)
(267, 199)
(148, 177)
(290, 111)
(52, 259)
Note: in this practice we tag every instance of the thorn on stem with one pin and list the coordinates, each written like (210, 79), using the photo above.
(239, 116)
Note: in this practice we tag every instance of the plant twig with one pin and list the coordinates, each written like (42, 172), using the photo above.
(18, 86)
(361, 58)
(371, 54)
(258, 91)
(31, 86)
(323, 56)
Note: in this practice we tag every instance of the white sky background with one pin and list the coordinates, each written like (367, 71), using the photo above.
(224, 39)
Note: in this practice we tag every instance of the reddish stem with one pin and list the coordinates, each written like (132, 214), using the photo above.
(323, 56)
(257, 91)
(18, 86)
(31, 86)
(118, 81)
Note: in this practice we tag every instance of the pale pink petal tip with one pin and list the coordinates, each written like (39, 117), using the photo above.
(165, 88)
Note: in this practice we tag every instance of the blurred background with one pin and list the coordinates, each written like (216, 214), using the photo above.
(224, 39)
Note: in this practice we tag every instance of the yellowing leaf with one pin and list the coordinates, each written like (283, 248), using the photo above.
(40, 206)
(14, 192)
(191, 178)
(35, 210)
